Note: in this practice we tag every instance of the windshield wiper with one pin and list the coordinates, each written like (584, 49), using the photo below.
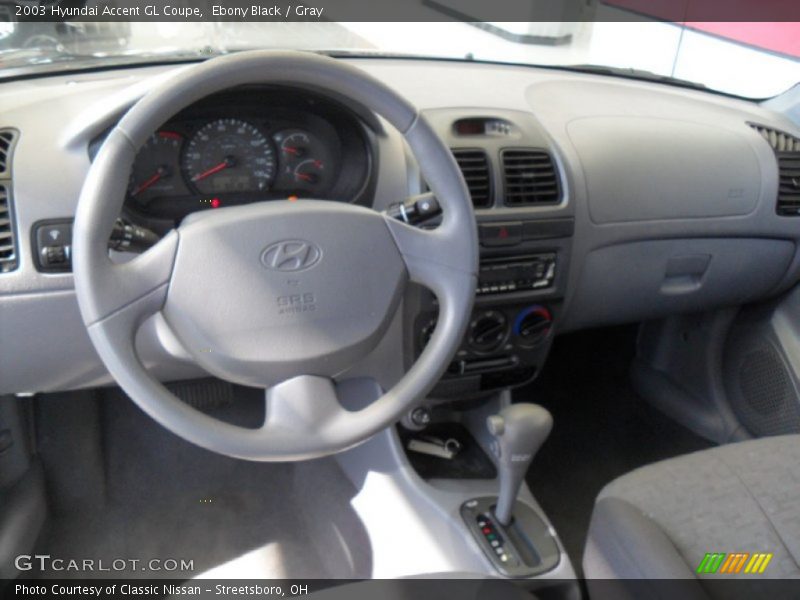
(631, 73)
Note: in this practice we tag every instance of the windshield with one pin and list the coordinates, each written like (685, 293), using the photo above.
(755, 60)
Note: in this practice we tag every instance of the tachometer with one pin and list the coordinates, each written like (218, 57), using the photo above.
(229, 155)
(155, 172)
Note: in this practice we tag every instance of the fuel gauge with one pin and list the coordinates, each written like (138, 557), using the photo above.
(305, 162)
(309, 171)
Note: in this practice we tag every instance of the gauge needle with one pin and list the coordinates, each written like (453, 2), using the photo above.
(162, 171)
(228, 162)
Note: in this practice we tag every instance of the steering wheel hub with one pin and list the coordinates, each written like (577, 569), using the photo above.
(263, 292)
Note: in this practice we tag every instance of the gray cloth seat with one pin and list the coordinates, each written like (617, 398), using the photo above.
(658, 522)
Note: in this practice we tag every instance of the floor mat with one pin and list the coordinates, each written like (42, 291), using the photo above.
(601, 430)
(159, 497)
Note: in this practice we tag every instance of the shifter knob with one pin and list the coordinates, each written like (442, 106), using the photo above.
(519, 431)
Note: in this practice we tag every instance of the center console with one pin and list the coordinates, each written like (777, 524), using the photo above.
(525, 226)
(443, 520)
(518, 301)
(466, 448)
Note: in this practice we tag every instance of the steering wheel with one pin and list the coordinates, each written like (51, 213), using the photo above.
(279, 295)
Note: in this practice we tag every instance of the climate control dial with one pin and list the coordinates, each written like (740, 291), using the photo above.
(487, 331)
(532, 325)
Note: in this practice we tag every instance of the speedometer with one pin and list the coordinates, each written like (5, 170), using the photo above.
(229, 155)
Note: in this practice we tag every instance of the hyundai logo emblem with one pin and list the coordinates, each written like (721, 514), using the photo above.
(291, 255)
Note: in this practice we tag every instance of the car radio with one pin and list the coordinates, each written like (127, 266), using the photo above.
(520, 273)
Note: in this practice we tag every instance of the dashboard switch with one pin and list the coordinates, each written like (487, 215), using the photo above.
(55, 257)
(416, 210)
(127, 237)
(500, 234)
(53, 245)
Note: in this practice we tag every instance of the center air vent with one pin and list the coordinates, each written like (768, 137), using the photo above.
(530, 178)
(787, 151)
(8, 247)
(474, 165)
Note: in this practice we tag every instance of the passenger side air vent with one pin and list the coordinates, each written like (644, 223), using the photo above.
(8, 247)
(530, 178)
(787, 151)
(474, 166)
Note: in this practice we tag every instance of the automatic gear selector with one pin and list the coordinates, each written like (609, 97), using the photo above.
(518, 431)
(511, 533)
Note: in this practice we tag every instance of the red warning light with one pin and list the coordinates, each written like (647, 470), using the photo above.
(215, 203)
(503, 233)
(292, 198)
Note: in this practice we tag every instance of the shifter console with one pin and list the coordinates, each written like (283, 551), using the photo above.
(514, 537)
(524, 548)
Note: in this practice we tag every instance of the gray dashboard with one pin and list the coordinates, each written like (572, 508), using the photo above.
(669, 195)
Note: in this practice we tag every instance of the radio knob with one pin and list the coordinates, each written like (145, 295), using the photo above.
(533, 325)
(488, 331)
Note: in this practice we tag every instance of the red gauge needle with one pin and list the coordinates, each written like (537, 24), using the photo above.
(291, 150)
(228, 162)
(303, 176)
(150, 181)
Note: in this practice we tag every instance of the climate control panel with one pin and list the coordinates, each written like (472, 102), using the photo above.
(503, 345)
(521, 286)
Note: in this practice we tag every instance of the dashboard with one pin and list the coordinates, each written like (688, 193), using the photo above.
(249, 145)
(597, 201)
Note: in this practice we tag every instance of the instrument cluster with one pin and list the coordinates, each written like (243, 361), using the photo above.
(254, 146)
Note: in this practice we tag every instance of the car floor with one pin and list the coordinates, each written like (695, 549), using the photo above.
(601, 429)
(120, 486)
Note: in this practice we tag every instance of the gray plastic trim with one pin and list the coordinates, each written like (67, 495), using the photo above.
(426, 533)
(679, 370)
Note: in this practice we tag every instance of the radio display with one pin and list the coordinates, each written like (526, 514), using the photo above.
(516, 274)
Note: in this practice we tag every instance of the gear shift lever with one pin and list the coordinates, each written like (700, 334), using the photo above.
(518, 431)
